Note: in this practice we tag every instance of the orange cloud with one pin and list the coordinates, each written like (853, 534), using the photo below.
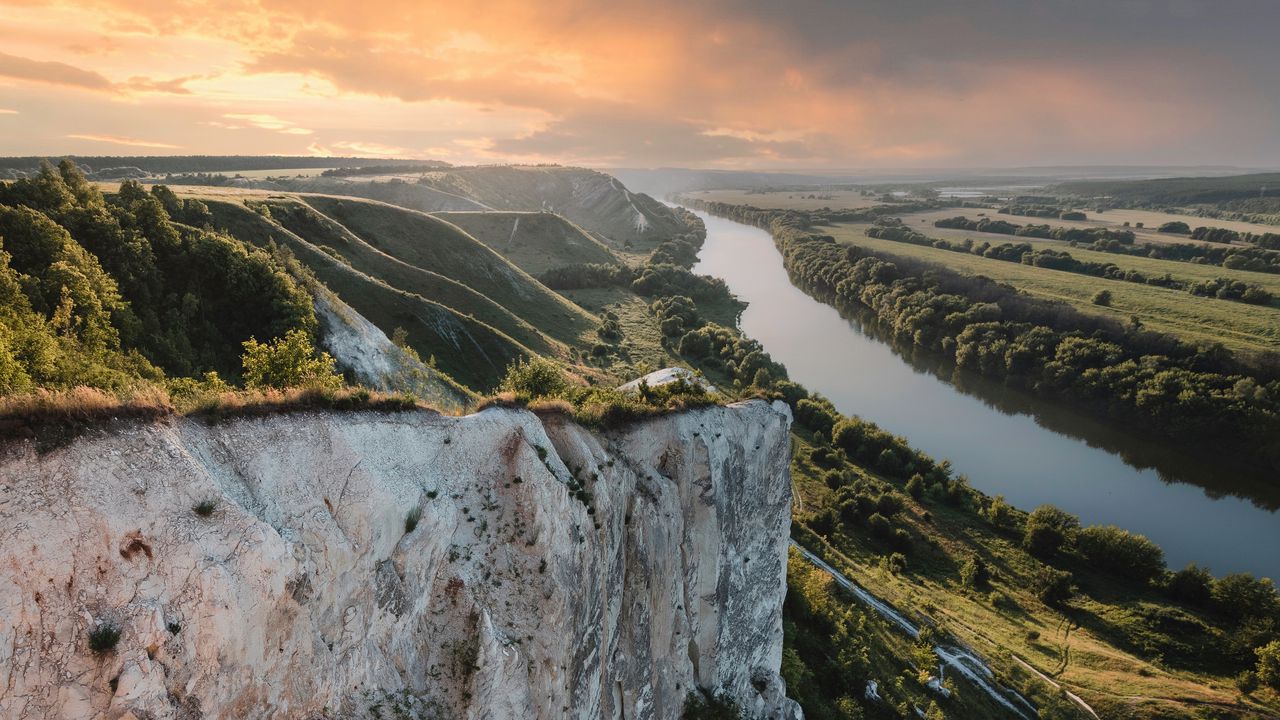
(118, 140)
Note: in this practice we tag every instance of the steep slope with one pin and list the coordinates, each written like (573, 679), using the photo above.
(596, 201)
(304, 592)
(369, 358)
(534, 241)
(406, 194)
(470, 351)
(427, 242)
(326, 234)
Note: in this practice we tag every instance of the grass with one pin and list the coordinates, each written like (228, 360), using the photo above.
(205, 508)
(641, 349)
(1238, 326)
(533, 241)
(427, 242)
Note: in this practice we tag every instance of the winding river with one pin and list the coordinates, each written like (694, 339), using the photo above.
(1008, 442)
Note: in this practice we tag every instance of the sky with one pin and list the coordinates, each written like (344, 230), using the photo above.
(735, 84)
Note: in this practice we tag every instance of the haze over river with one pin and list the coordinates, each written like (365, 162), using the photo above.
(1000, 437)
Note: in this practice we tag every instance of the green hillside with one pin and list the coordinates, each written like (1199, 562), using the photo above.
(469, 350)
(535, 241)
(430, 243)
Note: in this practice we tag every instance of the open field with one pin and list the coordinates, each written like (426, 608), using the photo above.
(1112, 219)
(1241, 327)
(790, 199)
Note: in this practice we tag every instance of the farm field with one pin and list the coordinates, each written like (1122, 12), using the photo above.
(1240, 327)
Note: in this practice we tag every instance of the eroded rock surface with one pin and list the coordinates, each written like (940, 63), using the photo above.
(550, 572)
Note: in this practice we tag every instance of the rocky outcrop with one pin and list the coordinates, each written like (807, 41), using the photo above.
(498, 565)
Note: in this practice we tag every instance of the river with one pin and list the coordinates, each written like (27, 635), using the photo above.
(1006, 441)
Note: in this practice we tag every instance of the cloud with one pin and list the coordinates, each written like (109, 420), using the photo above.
(346, 147)
(119, 140)
(262, 121)
(52, 73)
(6, 111)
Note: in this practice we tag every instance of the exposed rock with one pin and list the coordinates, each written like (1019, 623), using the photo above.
(664, 376)
(553, 572)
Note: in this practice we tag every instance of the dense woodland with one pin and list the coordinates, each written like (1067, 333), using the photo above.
(109, 291)
(1201, 396)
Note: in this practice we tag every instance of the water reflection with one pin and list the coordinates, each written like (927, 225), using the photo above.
(1007, 441)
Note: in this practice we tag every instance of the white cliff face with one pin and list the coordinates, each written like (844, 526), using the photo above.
(553, 572)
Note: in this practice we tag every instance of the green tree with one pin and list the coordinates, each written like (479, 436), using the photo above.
(534, 378)
(289, 361)
(1047, 530)
(1269, 664)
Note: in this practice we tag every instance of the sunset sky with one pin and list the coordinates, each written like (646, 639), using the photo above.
(757, 83)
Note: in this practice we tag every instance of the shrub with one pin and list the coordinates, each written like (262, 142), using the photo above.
(1047, 530)
(288, 362)
(879, 526)
(104, 637)
(205, 508)
(411, 520)
(1052, 586)
(974, 573)
(1121, 552)
(895, 563)
(703, 705)
(534, 378)
(1269, 664)
(1103, 298)
(1192, 585)
(1240, 595)
(915, 486)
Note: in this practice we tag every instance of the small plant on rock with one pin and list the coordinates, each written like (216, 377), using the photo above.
(104, 637)
(205, 508)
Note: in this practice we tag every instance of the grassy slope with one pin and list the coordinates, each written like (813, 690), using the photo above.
(534, 241)
(323, 232)
(433, 244)
(470, 351)
(1091, 649)
(1236, 325)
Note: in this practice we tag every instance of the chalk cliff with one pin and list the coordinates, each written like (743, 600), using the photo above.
(366, 564)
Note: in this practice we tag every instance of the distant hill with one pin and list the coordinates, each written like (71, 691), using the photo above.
(535, 241)
(160, 165)
(597, 202)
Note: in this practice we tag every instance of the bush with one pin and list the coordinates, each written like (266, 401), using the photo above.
(702, 705)
(974, 573)
(1192, 585)
(895, 563)
(1269, 664)
(1121, 552)
(1175, 226)
(103, 638)
(288, 362)
(1240, 595)
(1103, 298)
(411, 520)
(205, 508)
(1052, 586)
(1047, 530)
(534, 378)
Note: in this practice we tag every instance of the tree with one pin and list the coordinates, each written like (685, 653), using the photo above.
(1052, 586)
(1175, 226)
(1047, 530)
(974, 573)
(1121, 552)
(289, 361)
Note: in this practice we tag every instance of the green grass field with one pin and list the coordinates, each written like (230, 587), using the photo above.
(1238, 326)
